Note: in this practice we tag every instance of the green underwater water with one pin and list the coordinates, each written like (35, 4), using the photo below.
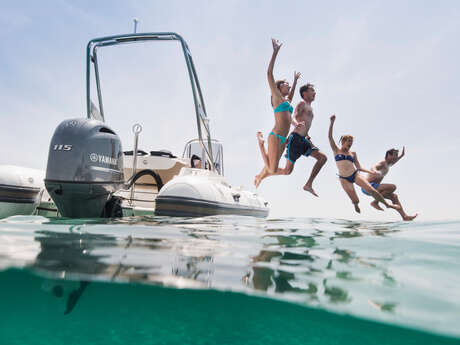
(117, 313)
(228, 280)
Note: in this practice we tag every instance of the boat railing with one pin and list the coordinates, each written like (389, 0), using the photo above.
(137, 129)
(200, 109)
(217, 150)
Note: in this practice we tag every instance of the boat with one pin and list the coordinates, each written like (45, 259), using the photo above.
(177, 189)
(21, 190)
(89, 175)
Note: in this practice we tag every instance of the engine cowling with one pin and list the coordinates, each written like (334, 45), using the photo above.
(85, 167)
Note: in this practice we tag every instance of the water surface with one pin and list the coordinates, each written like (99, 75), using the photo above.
(229, 280)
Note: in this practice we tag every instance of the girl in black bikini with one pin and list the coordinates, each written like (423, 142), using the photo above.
(349, 168)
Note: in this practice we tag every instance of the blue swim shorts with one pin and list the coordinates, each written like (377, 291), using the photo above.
(373, 184)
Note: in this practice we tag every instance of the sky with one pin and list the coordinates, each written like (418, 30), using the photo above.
(387, 69)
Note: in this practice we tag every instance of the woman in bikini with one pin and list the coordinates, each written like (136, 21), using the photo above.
(349, 168)
(281, 98)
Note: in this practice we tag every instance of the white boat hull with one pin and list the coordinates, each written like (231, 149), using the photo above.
(191, 193)
(21, 190)
(8, 209)
(199, 192)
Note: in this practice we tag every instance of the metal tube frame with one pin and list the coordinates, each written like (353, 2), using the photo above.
(200, 109)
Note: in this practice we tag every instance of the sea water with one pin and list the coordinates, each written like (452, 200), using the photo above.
(228, 280)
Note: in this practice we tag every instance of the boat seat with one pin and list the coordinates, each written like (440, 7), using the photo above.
(139, 153)
(162, 153)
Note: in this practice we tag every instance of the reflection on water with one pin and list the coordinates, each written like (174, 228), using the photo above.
(265, 278)
(378, 270)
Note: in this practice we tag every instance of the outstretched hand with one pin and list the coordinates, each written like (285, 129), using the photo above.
(297, 75)
(276, 44)
(403, 151)
(333, 118)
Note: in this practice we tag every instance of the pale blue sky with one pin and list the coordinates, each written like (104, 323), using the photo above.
(388, 69)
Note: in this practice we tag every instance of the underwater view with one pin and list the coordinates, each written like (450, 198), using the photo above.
(228, 280)
(187, 172)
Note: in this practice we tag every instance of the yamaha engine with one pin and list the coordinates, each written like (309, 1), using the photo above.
(85, 167)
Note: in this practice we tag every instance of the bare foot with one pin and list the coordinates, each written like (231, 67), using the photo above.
(357, 209)
(410, 217)
(310, 189)
(375, 204)
(260, 138)
(257, 181)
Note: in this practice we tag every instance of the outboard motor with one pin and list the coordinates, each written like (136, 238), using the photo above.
(85, 167)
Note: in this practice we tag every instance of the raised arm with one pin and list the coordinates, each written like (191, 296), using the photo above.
(401, 155)
(294, 84)
(331, 139)
(271, 80)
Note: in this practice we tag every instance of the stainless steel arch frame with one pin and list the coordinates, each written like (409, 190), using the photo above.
(200, 110)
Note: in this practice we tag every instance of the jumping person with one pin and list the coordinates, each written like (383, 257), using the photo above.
(299, 142)
(379, 171)
(281, 98)
(349, 167)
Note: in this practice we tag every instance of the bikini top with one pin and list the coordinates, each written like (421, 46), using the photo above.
(341, 157)
(285, 106)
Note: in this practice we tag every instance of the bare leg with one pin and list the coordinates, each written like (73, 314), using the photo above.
(263, 174)
(320, 161)
(385, 189)
(275, 150)
(350, 190)
(261, 142)
(287, 170)
(266, 172)
(363, 183)
(357, 209)
(375, 204)
(395, 200)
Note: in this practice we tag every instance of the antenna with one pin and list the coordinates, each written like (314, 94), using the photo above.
(135, 20)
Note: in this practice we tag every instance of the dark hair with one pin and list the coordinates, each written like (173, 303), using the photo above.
(279, 82)
(194, 157)
(390, 152)
(304, 88)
